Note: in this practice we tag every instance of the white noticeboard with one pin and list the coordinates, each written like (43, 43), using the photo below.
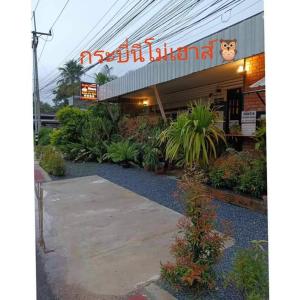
(248, 122)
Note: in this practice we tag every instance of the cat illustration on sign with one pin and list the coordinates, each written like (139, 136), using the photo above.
(228, 49)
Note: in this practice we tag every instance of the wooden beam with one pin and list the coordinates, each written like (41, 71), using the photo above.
(260, 97)
(161, 108)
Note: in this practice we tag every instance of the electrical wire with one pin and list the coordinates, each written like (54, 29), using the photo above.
(36, 5)
(158, 20)
(57, 18)
(99, 21)
(51, 28)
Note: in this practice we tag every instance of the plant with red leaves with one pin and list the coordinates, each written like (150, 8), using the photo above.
(198, 245)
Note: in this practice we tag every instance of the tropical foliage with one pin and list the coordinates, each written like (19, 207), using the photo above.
(250, 272)
(151, 157)
(254, 179)
(69, 83)
(47, 108)
(260, 137)
(145, 131)
(193, 137)
(105, 75)
(84, 134)
(122, 152)
(44, 136)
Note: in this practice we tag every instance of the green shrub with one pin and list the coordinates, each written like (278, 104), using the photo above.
(83, 134)
(260, 137)
(250, 272)
(57, 137)
(38, 149)
(122, 152)
(44, 136)
(225, 172)
(71, 120)
(194, 134)
(254, 179)
(216, 178)
(140, 128)
(150, 157)
(51, 160)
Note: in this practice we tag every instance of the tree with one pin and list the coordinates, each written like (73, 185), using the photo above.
(47, 108)
(68, 85)
(105, 75)
(71, 72)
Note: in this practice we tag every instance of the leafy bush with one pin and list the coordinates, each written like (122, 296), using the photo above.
(38, 149)
(250, 272)
(52, 161)
(151, 157)
(260, 137)
(140, 128)
(57, 137)
(217, 178)
(254, 179)
(122, 152)
(198, 246)
(83, 134)
(227, 169)
(244, 172)
(195, 135)
(44, 136)
(71, 120)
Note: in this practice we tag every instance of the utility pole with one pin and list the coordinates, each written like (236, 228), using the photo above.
(36, 95)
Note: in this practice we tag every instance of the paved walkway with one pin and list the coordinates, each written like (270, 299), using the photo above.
(107, 241)
(247, 225)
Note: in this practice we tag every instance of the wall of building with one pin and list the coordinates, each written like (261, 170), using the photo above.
(256, 65)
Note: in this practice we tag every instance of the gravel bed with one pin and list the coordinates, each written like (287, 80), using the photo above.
(247, 225)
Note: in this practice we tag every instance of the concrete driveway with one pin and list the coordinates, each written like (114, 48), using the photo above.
(106, 240)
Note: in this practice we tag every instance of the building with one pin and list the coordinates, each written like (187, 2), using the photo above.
(237, 88)
(47, 120)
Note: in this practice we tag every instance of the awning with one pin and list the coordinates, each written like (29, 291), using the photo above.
(258, 83)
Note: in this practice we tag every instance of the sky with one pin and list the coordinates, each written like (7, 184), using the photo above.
(79, 17)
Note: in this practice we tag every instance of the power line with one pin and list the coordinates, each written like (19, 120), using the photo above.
(36, 5)
(45, 41)
(159, 23)
(51, 28)
(99, 21)
(59, 14)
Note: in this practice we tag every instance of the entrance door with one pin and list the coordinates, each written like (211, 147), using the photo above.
(235, 105)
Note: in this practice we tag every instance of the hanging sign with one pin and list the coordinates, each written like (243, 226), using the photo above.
(88, 91)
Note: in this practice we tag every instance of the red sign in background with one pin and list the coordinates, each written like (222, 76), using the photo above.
(88, 91)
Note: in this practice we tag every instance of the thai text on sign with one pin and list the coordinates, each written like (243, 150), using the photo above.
(124, 52)
(88, 91)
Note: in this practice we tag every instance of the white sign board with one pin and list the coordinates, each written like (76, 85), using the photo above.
(248, 122)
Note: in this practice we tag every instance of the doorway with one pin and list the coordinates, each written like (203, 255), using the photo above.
(235, 106)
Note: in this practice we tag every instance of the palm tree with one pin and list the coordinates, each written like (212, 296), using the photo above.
(70, 77)
(71, 72)
(194, 135)
(105, 75)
